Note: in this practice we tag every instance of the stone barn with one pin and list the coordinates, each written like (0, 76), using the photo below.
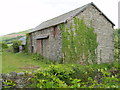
(46, 38)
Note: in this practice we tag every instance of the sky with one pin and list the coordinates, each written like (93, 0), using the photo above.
(20, 15)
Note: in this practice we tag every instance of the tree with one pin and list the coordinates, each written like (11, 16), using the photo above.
(16, 45)
(3, 45)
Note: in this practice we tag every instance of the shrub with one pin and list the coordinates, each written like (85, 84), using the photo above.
(117, 44)
(16, 45)
(73, 76)
(3, 45)
(39, 57)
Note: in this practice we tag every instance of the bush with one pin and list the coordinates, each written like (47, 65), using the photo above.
(117, 44)
(3, 45)
(74, 76)
(16, 45)
(39, 57)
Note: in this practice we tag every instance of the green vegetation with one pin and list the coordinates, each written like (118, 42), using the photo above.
(3, 45)
(13, 36)
(9, 40)
(79, 42)
(75, 76)
(19, 62)
(26, 45)
(117, 45)
(16, 45)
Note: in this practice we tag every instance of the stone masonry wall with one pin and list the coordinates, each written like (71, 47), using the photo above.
(21, 80)
(51, 46)
(104, 30)
(29, 43)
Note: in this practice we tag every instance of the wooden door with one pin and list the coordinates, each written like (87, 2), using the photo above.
(39, 46)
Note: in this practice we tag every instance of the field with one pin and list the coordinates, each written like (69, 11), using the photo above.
(19, 62)
(55, 75)
(49, 75)
(9, 38)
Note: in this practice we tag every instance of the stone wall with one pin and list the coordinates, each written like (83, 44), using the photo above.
(51, 47)
(104, 30)
(20, 79)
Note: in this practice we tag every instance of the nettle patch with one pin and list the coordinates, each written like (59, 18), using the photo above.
(79, 42)
(66, 76)
(75, 76)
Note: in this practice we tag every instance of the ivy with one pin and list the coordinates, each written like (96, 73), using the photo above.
(79, 42)
(117, 45)
(26, 45)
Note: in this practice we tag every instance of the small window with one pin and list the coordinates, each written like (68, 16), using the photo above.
(54, 31)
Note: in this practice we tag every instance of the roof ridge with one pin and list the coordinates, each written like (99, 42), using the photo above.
(68, 12)
(63, 17)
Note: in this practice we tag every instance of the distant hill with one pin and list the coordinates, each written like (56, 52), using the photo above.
(9, 38)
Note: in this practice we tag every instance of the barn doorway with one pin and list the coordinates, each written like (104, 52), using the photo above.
(40, 40)
(39, 46)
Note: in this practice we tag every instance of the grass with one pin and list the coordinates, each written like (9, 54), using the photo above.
(19, 62)
(0, 63)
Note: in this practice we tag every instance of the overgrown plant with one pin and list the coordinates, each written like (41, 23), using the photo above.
(117, 45)
(16, 45)
(79, 42)
(3, 45)
(38, 57)
(71, 76)
(9, 84)
(26, 45)
(57, 76)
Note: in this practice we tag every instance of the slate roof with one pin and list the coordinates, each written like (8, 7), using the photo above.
(64, 17)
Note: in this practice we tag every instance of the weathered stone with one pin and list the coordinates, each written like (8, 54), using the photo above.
(20, 74)
(6, 76)
(13, 74)
(30, 73)
(52, 46)
(20, 79)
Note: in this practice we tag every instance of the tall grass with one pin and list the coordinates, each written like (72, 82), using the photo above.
(18, 62)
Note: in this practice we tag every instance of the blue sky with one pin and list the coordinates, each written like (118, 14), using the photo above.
(19, 15)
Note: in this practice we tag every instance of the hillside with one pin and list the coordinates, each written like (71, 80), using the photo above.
(13, 36)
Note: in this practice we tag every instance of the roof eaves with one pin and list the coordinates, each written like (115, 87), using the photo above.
(47, 27)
